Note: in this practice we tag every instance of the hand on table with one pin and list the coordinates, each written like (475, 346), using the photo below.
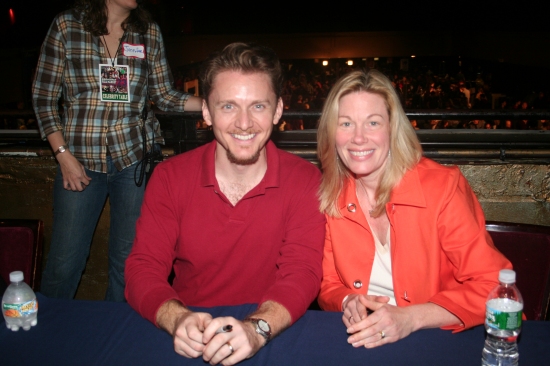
(386, 324)
(355, 311)
(195, 335)
(188, 333)
(232, 347)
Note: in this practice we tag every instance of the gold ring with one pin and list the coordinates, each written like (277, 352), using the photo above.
(351, 317)
(382, 334)
(230, 348)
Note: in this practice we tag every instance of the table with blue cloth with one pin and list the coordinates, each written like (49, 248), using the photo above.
(72, 332)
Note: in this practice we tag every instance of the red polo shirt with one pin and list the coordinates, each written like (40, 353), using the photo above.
(267, 247)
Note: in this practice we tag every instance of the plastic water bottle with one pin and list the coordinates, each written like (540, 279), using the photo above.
(19, 304)
(503, 322)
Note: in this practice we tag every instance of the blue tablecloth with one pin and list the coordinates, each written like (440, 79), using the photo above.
(71, 332)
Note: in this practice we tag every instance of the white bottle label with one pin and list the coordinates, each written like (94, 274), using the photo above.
(20, 310)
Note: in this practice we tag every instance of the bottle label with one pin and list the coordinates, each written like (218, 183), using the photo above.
(502, 320)
(20, 310)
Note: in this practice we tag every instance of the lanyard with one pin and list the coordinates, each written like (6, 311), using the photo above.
(118, 48)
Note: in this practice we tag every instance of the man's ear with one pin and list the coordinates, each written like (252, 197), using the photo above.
(278, 111)
(206, 113)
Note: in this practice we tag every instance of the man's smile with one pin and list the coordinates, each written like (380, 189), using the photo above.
(243, 137)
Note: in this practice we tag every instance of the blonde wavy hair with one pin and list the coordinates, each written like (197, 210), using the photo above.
(404, 145)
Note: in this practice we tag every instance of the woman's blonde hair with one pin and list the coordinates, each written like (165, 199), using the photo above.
(405, 149)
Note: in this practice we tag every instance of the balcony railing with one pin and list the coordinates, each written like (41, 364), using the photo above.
(462, 146)
(459, 146)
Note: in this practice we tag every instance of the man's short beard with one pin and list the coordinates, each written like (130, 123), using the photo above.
(248, 161)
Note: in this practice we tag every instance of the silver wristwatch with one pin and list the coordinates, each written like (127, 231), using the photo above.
(262, 328)
(61, 149)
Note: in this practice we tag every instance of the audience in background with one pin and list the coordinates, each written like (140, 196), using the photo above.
(306, 88)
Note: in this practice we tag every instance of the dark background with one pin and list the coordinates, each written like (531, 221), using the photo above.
(175, 17)
(22, 39)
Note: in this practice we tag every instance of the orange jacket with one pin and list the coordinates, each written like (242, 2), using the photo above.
(440, 250)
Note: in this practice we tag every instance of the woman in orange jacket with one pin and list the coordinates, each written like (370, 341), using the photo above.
(406, 240)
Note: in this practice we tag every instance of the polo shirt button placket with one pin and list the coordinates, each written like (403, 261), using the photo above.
(357, 284)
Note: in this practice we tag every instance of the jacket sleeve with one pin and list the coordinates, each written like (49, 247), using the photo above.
(475, 261)
(333, 290)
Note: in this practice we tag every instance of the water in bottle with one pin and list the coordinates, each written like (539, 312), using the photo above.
(503, 322)
(19, 304)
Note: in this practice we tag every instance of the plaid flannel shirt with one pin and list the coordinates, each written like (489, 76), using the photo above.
(69, 66)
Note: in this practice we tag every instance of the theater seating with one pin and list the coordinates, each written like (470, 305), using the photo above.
(528, 248)
(21, 249)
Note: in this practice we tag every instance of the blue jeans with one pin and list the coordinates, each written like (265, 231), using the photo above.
(75, 216)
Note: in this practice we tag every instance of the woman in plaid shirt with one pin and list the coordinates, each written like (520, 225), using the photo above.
(105, 58)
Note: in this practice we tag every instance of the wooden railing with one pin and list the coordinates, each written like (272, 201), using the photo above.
(458, 146)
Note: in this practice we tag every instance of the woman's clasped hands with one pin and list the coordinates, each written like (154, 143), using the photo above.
(372, 322)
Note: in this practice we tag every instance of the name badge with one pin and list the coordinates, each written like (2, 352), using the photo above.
(133, 50)
(113, 82)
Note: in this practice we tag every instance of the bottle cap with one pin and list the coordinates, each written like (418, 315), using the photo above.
(507, 276)
(16, 276)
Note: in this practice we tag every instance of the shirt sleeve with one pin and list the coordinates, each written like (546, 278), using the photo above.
(149, 266)
(160, 78)
(299, 271)
(47, 85)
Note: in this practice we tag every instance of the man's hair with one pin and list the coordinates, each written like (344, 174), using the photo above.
(247, 58)
(405, 148)
(93, 15)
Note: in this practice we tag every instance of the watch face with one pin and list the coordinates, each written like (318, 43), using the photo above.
(263, 325)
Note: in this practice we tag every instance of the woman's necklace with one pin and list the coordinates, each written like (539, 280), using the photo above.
(366, 194)
(112, 59)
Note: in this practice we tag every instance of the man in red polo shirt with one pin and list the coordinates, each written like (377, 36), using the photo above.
(237, 220)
